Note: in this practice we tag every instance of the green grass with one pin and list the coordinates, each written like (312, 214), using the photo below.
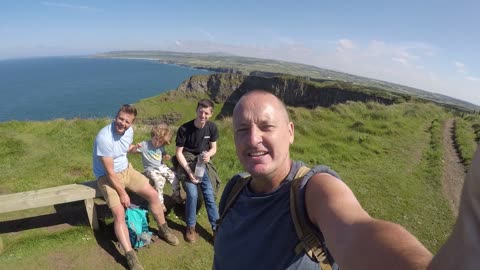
(43, 154)
(31, 245)
(389, 155)
(467, 131)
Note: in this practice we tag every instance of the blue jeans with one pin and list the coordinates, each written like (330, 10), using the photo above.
(192, 197)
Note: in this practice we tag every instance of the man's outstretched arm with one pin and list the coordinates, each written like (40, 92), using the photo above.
(462, 249)
(356, 240)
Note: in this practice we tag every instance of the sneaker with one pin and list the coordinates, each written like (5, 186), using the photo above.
(177, 198)
(166, 234)
(132, 261)
(190, 234)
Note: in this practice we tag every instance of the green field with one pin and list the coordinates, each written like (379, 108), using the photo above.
(391, 157)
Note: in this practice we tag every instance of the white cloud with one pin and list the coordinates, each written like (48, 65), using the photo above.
(345, 44)
(473, 79)
(69, 6)
(459, 66)
(400, 60)
(402, 53)
(207, 34)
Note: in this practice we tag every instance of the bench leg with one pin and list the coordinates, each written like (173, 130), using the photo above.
(91, 213)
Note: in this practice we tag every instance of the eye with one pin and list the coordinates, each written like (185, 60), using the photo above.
(238, 130)
(268, 127)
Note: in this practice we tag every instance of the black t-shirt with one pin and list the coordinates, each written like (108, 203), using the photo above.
(196, 140)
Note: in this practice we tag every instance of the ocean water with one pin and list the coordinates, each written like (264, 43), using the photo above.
(69, 87)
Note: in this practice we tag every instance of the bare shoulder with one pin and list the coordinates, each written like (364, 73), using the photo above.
(330, 202)
(326, 187)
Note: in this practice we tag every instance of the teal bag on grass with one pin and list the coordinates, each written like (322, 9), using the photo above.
(137, 224)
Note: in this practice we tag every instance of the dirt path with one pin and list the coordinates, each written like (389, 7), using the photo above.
(453, 169)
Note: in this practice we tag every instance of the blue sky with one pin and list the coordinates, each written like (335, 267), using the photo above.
(431, 45)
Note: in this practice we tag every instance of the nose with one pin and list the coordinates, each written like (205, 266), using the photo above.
(254, 136)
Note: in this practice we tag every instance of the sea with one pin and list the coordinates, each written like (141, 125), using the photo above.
(39, 89)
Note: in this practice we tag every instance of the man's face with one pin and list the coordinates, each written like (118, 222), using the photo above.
(203, 114)
(262, 135)
(123, 121)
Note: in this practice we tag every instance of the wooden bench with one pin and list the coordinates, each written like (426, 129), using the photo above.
(86, 191)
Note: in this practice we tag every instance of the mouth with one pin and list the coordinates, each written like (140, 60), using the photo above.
(120, 128)
(257, 154)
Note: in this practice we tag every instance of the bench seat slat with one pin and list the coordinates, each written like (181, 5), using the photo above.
(48, 196)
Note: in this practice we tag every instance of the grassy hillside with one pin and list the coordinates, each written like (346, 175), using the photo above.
(389, 155)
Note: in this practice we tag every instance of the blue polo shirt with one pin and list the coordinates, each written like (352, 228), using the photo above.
(109, 143)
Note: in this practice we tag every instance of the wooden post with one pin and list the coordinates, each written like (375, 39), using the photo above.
(91, 213)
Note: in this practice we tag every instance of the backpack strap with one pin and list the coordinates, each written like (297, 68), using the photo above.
(309, 241)
(242, 181)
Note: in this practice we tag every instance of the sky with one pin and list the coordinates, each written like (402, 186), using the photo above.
(430, 45)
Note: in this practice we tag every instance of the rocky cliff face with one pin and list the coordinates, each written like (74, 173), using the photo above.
(218, 86)
(297, 92)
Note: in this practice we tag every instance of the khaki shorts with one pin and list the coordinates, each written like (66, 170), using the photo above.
(130, 179)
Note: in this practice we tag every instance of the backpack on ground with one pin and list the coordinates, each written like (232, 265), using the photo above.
(309, 241)
(137, 224)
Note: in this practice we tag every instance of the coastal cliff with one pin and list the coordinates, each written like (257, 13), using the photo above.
(294, 91)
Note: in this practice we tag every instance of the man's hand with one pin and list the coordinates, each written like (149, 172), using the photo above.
(124, 199)
(112, 177)
(205, 156)
(193, 178)
(167, 157)
(184, 164)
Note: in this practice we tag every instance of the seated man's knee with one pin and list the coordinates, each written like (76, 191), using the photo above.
(148, 193)
(118, 213)
(152, 194)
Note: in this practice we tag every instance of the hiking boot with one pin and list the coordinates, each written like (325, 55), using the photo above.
(190, 234)
(132, 261)
(177, 198)
(166, 234)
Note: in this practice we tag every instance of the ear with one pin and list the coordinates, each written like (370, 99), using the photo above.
(291, 129)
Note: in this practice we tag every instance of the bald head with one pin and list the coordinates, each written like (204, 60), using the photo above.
(262, 98)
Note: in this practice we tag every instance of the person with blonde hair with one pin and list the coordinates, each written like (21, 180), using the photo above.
(154, 156)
